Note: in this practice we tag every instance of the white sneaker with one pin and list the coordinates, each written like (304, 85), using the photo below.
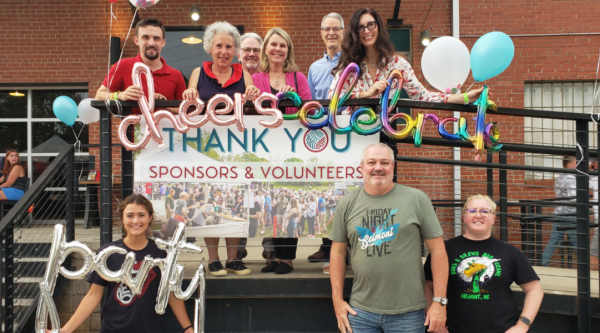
(326, 268)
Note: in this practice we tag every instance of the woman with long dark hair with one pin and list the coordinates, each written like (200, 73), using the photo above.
(13, 180)
(367, 43)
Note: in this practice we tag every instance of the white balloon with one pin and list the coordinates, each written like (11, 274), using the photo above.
(87, 114)
(446, 64)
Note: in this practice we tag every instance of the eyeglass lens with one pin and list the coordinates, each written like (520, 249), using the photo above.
(371, 25)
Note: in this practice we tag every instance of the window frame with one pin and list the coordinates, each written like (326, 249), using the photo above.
(29, 120)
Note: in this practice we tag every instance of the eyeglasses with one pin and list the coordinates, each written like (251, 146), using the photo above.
(250, 49)
(335, 29)
(371, 25)
(483, 211)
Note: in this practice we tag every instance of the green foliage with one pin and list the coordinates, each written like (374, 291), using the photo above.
(293, 159)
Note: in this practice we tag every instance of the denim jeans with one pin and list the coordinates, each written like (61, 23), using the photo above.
(368, 322)
(556, 237)
(291, 227)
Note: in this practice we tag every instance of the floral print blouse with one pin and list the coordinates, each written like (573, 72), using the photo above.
(412, 86)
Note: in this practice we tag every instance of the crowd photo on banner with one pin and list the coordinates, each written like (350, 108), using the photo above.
(215, 168)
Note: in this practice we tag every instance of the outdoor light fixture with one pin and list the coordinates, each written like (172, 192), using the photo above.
(195, 13)
(192, 40)
(16, 94)
(425, 37)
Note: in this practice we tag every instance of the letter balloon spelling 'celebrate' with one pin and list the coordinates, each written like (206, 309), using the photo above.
(486, 134)
(171, 279)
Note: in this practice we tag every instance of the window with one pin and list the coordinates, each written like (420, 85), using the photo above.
(183, 56)
(28, 124)
(560, 97)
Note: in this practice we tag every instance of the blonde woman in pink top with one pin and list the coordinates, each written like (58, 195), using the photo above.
(278, 70)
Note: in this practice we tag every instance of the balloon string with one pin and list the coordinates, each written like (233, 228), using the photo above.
(77, 143)
(471, 86)
(107, 100)
(580, 160)
(124, 44)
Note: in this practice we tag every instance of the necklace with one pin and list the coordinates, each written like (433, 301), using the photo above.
(277, 80)
(369, 60)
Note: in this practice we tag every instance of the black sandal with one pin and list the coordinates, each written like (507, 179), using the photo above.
(271, 267)
(283, 268)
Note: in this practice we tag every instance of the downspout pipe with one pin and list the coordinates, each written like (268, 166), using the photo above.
(456, 174)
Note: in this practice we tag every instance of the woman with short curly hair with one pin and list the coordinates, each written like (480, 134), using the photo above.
(220, 76)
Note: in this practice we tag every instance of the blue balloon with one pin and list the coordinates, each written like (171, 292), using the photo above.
(65, 109)
(491, 55)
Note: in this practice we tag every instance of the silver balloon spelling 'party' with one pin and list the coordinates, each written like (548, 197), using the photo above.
(171, 279)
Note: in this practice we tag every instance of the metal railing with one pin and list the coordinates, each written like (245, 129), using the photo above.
(497, 186)
(26, 240)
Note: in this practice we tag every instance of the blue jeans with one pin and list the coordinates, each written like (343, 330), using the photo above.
(555, 238)
(368, 322)
(291, 227)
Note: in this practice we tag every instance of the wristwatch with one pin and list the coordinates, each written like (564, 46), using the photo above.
(526, 321)
(443, 300)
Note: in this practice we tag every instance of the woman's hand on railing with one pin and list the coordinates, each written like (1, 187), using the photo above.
(286, 88)
(190, 94)
(252, 92)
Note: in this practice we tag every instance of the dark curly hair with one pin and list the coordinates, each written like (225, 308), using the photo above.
(354, 51)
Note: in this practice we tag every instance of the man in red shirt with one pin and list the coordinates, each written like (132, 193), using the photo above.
(168, 82)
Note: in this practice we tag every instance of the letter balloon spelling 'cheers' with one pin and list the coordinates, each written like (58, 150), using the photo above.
(312, 115)
(171, 279)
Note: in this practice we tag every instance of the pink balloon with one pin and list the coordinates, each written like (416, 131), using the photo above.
(113, 1)
(212, 112)
(268, 111)
(147, 104)
(131, 146)
(168, 115)
(238, 111)
(184, 117)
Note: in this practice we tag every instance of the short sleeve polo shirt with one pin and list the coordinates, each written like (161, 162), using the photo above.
(167, 80)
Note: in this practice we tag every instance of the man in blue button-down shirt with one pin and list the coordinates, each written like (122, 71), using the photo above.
(319, 81)
(319, 74)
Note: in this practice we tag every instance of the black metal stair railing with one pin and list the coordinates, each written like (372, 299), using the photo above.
(26, 233)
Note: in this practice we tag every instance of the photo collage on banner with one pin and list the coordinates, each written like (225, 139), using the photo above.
(216, 178)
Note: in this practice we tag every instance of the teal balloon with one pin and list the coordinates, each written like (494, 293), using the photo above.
(65, 109)
(491, 55)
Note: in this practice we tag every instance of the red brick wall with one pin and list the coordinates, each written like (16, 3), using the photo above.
(67, 41)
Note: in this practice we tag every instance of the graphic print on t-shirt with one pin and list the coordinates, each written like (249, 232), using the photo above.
(476, 272)
(377, 230)
(123, 295)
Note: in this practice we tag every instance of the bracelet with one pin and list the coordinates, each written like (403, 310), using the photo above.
(466, 98)
(115, 95)
(185, 329)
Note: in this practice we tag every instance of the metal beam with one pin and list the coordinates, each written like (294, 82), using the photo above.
(503, 180)
(105, 177)
(395, 21)
(474, 164)
(403, 103)
(584, 321)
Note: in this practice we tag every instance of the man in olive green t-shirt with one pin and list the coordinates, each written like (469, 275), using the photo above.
(384, 224)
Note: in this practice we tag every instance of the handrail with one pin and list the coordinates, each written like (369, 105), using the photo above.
(25, 202)
(402, 103)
